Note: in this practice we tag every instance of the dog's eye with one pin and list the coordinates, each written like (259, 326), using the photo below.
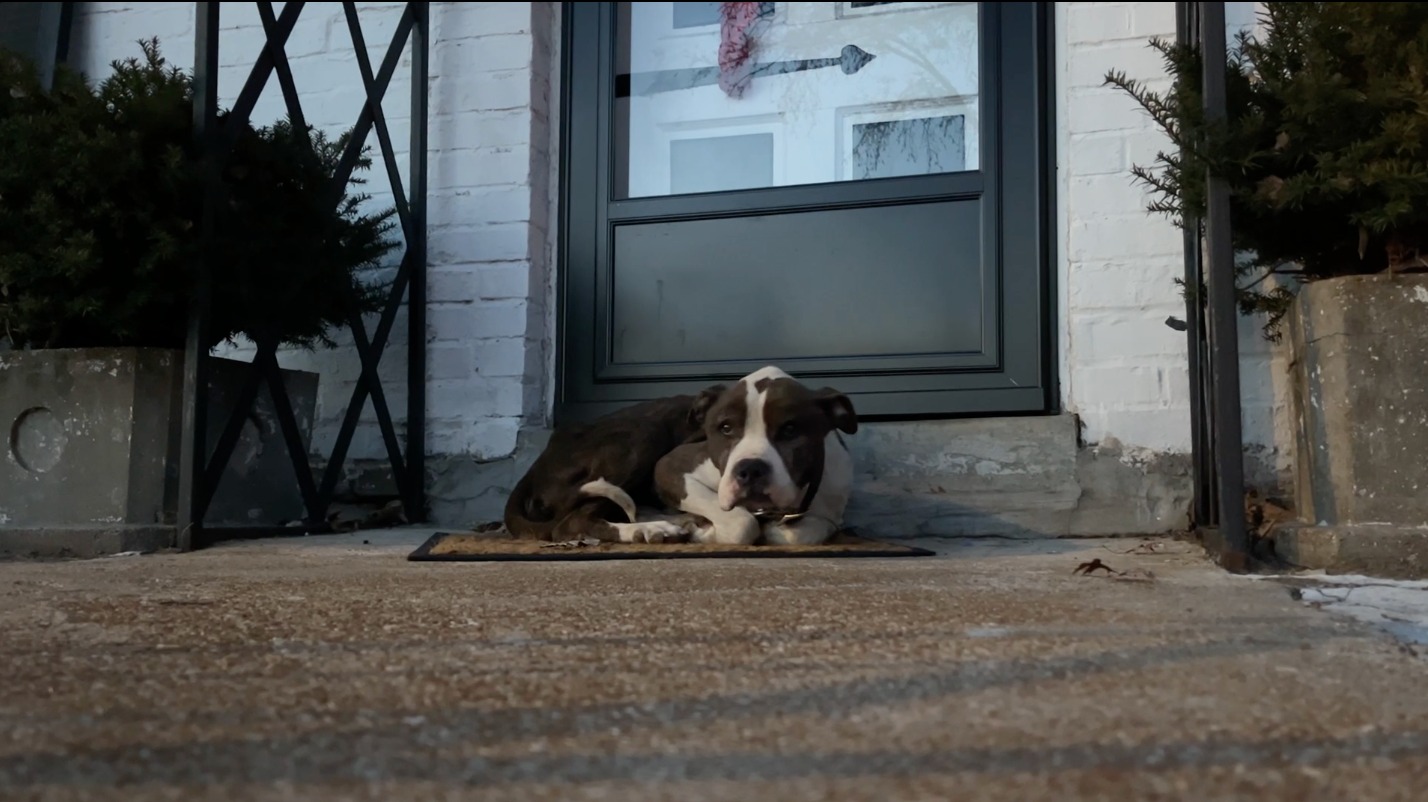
(787, 430)
(726, 429)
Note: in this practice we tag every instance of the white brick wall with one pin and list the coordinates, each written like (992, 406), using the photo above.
(1123, 371)
(491, 221)
(488, 325)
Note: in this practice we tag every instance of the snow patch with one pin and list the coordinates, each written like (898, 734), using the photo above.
(1399, 606)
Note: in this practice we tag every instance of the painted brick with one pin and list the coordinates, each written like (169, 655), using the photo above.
(503, 282)
(468, 167)
(1144, 283)
(493, 91)
(471, 321)
(464, 283)
(500, 52)
(501, 357)
(449, 362)
(1175, 385)
(1094, 23)
(1108, 195)
(484, 438)
(1088, 66)
(1153, 19)
(1097, 154)
(1105, 110)
(468, 20)
(173, 28)
(472, 130)
(536, 355)
(1132, 236)
(446, 285)
(1143, 146)
(494, 437)
(1130, 336)
(1165, 429)
(495, 243)
(510, 204)
(1120, 387)
(477, 397)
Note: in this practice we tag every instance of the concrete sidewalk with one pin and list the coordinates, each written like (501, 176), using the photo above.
(323, 668)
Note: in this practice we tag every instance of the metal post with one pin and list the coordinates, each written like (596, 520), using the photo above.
(66, 28)
(194, 451)
(52, 31)
(1224, 316)
(415, 504)
(1202, 467)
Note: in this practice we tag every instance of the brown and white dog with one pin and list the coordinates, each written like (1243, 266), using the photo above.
(771, 465)
(589, 478)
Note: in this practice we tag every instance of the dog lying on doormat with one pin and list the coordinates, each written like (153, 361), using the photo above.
(759, 461)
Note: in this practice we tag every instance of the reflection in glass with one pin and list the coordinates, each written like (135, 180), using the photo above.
(714, 97)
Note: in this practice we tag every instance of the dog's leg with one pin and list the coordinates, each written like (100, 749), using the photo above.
(686, 480)
(590, 520)
(651, 527)
(650, 532)
(736, 527)
(809, 530)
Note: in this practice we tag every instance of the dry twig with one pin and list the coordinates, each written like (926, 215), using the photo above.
(1133, 575)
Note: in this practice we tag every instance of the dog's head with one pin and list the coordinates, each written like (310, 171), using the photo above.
(766, 436)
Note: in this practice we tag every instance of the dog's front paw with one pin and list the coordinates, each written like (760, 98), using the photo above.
(653, 532)
(806, 531)
(738, 529)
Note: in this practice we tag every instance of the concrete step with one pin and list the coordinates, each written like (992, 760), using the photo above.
(1008, 477)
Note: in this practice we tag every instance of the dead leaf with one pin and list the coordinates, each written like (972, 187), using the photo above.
(1271, 187)
(1282, 141)
(391, 514)
(1148, 547)
(1262, 516)
(1095, 564)
(1133, 575)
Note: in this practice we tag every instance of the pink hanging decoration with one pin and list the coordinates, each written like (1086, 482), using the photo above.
(736, 46)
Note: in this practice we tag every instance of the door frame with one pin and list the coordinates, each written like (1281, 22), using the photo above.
(910, 402)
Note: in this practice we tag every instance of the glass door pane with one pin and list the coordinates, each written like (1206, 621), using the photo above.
(713, 97)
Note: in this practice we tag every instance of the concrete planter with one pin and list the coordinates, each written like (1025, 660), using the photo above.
(1360, 400)
(92, 442)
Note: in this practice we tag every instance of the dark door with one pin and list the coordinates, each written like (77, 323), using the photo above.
(856, 192)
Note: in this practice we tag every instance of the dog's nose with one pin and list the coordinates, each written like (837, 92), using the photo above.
(751, 471)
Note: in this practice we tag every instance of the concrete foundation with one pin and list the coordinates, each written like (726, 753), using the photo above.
(91, 456)
(1383, 550)
(1360, 402)
(1007, 477)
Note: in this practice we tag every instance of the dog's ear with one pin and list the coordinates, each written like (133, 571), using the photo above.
(838, 409)
(703, 402)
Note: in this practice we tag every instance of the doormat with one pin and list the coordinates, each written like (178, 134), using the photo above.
(498, 546)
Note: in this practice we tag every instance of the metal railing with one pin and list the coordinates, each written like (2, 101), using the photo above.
(203, 466)
(1212, 325)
